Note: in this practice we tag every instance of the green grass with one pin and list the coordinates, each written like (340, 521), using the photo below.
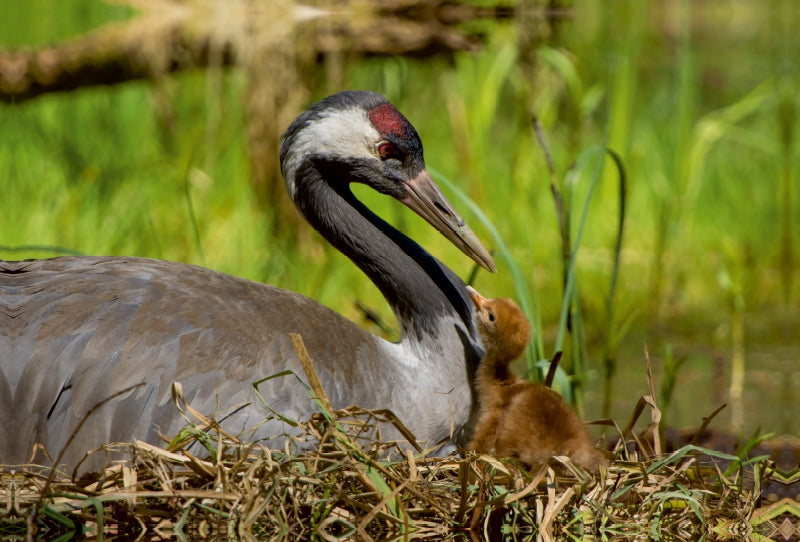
(704, 127)
(40, 23)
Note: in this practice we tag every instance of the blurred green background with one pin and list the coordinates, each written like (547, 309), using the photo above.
(699, 101)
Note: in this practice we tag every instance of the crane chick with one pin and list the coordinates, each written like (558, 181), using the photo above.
(518, 418)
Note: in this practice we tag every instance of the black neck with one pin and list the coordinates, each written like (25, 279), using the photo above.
(418, 287)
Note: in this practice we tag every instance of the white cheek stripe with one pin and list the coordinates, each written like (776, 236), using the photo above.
(345, 133)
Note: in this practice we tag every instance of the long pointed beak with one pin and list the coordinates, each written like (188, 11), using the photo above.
(477, 299)
(426, 199)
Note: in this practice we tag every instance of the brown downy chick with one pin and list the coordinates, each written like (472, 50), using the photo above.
(521, 419)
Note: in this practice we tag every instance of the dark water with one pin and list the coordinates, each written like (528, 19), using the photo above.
(771, 353)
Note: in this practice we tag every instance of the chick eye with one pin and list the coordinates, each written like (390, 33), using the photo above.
(387, 150)
(491, 316)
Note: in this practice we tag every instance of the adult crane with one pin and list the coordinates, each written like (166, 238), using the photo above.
(75, 331)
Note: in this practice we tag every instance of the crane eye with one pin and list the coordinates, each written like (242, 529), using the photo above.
(387, 150)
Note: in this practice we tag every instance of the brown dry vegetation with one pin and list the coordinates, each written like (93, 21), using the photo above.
(338, 489)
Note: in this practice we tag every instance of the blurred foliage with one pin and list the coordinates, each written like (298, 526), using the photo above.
(40, 22)
(696, 99)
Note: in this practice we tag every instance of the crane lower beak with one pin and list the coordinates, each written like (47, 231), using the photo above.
(426, 199)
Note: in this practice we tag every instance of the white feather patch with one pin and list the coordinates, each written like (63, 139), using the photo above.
(345, 133)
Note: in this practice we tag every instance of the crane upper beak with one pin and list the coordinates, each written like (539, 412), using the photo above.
(426, 199)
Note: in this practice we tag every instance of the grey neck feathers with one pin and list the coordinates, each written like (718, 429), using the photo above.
(419, 288)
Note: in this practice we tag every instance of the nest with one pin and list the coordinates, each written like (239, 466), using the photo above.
(338, 480)
(330, 483)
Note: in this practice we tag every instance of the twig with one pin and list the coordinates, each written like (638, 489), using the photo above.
(706, 421)
(311, 372)
(566, 248)
(655, 415)
(551, 372)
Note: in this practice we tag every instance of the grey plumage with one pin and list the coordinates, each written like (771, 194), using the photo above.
(73, 331)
